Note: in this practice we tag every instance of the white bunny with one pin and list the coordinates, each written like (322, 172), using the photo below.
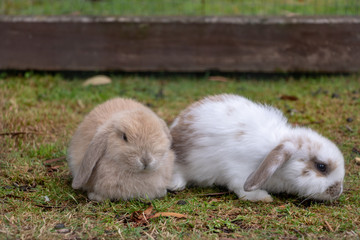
(250, 148)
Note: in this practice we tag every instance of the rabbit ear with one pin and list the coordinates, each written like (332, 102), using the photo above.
(277, 157)
(94, 152)
(166, 129)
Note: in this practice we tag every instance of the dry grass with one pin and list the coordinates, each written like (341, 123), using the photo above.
(41, 111)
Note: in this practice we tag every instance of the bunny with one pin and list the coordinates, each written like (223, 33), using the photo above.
(250, 148)
(121, 150)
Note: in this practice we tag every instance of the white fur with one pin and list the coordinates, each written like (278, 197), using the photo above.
(229, 137)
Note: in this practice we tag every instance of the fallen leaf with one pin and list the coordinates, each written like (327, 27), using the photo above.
(50, 168)
(12, 219)
(48, 161)
(63, 230)
(290, 14)
(218, 79)
(168, 214)
(357, 160)
(355, 150)
(53, 168)
(97, 80)
(14, 105)
(148, 211)
(288, 97)
(80, 104)
(215, 200)
(141, 217)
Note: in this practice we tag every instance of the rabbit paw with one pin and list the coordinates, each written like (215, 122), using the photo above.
(255, 196)
(161, 193)
(95, 197)
(177, 183)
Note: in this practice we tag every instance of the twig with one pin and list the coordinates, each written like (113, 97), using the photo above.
(168, 214)
(9, 196)
(147, 234)
(47, 207)
(119, 232)
(329, 227)
(17, 133)
(47, 162)
(349, 128)
(298, 232)
(212, 194)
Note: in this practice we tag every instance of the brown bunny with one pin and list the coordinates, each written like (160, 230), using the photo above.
(121, 151)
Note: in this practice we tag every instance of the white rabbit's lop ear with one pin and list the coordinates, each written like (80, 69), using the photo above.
(94, 152)
(275, 159)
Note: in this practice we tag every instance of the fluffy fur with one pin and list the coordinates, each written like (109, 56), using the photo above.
(121, 151)
(250, 148)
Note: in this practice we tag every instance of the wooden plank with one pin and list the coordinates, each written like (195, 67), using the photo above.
(239, 44)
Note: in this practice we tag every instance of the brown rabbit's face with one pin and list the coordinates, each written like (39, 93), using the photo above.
(138, 143)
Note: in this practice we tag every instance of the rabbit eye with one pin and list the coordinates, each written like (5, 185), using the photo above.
(124, 137)
(321, 167)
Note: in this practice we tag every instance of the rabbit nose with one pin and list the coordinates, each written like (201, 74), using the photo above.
(335, 190)
(146, 161)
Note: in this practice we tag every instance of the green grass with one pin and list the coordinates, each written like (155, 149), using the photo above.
(179, 7)
(45, 110)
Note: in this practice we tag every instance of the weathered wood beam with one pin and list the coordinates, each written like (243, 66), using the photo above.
(181, 44)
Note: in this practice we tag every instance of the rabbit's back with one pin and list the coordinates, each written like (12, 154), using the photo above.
(222, 135)
(252, 150)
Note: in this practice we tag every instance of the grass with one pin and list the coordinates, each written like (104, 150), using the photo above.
(39, 113)
(179, 7)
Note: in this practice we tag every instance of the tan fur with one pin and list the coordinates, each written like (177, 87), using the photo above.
(230, 110)
(214, 98)
(240, 134)
(106, 166)
(311, 166)
(183, 132)
(334, 190)
(300, 142)
(305, 172)
(315, 146)
(271, 163)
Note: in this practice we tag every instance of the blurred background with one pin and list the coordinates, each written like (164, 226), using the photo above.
(249, 39)
(181, 7)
